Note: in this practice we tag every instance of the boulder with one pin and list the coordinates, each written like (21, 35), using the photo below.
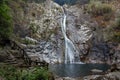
(96, 71)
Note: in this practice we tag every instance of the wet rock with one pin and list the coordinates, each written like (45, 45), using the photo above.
(31, 39)
(38, 49)
(100, 52)
(3, 55)
(34, 57)
(114, 67)
(91, 77)
(30, 46)
(1, 78)
(28, 50)
(23, 45)
(114, 75)
(104, 78)
(64, 78)
(96, 71)
(68, 78)
(103, 52)
(45, 52)
(109, 76)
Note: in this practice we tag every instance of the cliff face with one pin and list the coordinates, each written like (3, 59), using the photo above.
(42, 22)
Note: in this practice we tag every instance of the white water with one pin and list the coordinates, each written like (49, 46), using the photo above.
(69, 46)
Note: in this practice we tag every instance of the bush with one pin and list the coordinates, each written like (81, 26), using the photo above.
(6, 26)
(117, 24)
(9, 72)
(96, 8)
(116, 30)
(116, 36)
(34, 74)
(27, 42)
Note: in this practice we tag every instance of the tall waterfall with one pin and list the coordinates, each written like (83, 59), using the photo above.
(69, 46)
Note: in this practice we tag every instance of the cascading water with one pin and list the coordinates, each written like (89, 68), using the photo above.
(69, 46)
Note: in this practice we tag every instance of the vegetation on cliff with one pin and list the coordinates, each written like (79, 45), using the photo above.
(116, 30)
(99, 9)
(10, 16)
(6, 26)
(101, 12)
(104, 12)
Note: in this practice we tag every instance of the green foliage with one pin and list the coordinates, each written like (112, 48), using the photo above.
(116, 30)
(37, 1)
(34, 28)
(11, 73)
(8, 73)
(117, 26)
(116, 36)
(37, 74)
(26, 41)
(6, 26)
(96, 8)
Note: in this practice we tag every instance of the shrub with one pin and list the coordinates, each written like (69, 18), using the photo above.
(116, 30)
(96, 8)
(116, 36)
(34, 28)
(34, 74)
(5, 21)
(27, 42)
(117, 24)
(9, 72)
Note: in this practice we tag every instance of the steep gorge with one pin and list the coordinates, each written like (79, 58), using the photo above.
(50, 32)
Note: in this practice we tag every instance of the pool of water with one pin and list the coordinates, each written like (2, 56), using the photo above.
(71, 2)
(76, 70)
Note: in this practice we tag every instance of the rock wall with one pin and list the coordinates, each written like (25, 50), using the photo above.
(42, 22)
(45, 21)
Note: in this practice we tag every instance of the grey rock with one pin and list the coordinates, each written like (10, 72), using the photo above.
(96, 70)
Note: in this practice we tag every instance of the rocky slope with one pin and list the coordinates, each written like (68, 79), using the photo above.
(41, 23)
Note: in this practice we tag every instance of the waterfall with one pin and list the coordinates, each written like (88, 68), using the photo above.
(69, 46)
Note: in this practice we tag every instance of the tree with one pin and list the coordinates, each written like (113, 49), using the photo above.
(6, 26)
